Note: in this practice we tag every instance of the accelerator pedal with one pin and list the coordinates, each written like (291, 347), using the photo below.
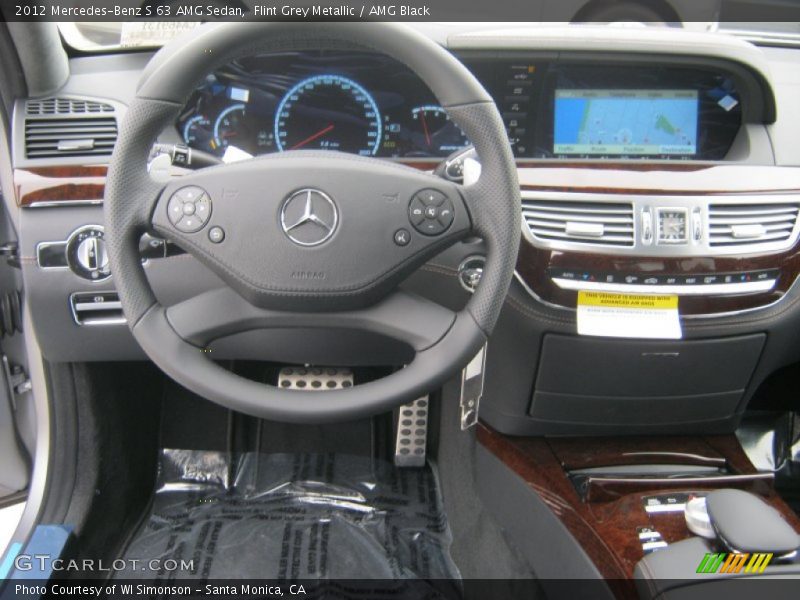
(412, 433)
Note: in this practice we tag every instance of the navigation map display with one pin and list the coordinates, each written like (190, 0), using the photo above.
(595, 122)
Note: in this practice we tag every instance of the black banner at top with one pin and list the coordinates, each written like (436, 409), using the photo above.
(667, 11)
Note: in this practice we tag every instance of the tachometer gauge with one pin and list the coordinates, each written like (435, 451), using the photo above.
(328, 112)
(241, 126)
(197, 132)
(433, 133)
(229, 126)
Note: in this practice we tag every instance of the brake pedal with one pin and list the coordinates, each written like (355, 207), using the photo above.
(412, 434)
(315, 379)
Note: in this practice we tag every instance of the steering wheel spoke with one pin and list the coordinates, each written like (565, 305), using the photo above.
(312, 230)
(418, 322)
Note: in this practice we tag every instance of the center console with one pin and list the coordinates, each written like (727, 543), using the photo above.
(621, 501)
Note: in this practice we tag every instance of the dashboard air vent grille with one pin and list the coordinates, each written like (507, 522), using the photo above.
(603, 223)
(750, 224)
(75, 136)
(66, 106)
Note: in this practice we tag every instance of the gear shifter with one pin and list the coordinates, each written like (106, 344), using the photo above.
(741, 522)
(697, 519)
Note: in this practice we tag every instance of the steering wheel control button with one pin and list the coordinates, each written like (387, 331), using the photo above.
(216, 234)
(189, 224)
(189, 209)
(431, 212)
(431, 197)
(402, 237)
(416, 211)
(203, 208)
(190, 194)
(446, 214)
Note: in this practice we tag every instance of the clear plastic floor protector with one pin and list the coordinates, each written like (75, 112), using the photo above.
(288, 517)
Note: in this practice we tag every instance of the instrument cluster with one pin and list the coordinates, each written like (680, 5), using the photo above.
(552, 108)
(350, 102)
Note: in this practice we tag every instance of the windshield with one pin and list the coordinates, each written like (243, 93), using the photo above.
(114, 36)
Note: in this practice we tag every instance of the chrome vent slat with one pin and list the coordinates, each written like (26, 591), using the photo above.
(771, 227)
(768, 237)
(763, 219)
(55, 153)
(606, 239)
(39, 139)
(536, 224)
(747, 225)
(580, 223)
(107, 129)
(580, 208)
(766, 209)
(576, 217)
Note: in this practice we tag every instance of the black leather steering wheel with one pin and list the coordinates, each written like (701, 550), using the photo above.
(305, 238)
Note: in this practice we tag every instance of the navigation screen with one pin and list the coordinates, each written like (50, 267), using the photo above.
(625, 122)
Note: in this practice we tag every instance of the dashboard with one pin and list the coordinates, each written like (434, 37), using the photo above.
(652, 161)
(371, 105)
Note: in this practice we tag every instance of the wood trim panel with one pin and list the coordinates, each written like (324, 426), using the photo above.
(86, 183)
(533, 264)
(607, 489)
(607, 529)
(600, 177)
(606, 452)
(59, 184)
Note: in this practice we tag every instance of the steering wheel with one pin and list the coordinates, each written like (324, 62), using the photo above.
(309, 239)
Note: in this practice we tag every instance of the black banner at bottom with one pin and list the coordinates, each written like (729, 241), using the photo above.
(416, 589)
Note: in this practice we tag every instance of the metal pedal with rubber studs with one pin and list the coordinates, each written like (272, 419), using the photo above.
(315, 379)
(412, 433)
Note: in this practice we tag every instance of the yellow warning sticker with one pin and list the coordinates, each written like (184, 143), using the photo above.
(651, 316)
(643, 301)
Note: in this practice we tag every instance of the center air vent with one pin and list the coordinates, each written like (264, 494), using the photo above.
(599, 223)
(751, 224)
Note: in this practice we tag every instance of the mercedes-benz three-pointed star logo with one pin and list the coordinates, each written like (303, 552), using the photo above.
(309, 217)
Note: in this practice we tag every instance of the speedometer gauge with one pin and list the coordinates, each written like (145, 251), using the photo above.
(328, 112)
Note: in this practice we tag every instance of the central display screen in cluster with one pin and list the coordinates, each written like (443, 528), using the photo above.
(625, 122)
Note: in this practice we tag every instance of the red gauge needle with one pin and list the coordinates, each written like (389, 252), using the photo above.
(425, 128)
(311, 138)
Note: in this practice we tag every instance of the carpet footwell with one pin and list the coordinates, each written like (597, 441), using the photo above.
(292, 517)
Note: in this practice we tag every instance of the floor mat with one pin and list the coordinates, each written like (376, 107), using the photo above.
(290, 517)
